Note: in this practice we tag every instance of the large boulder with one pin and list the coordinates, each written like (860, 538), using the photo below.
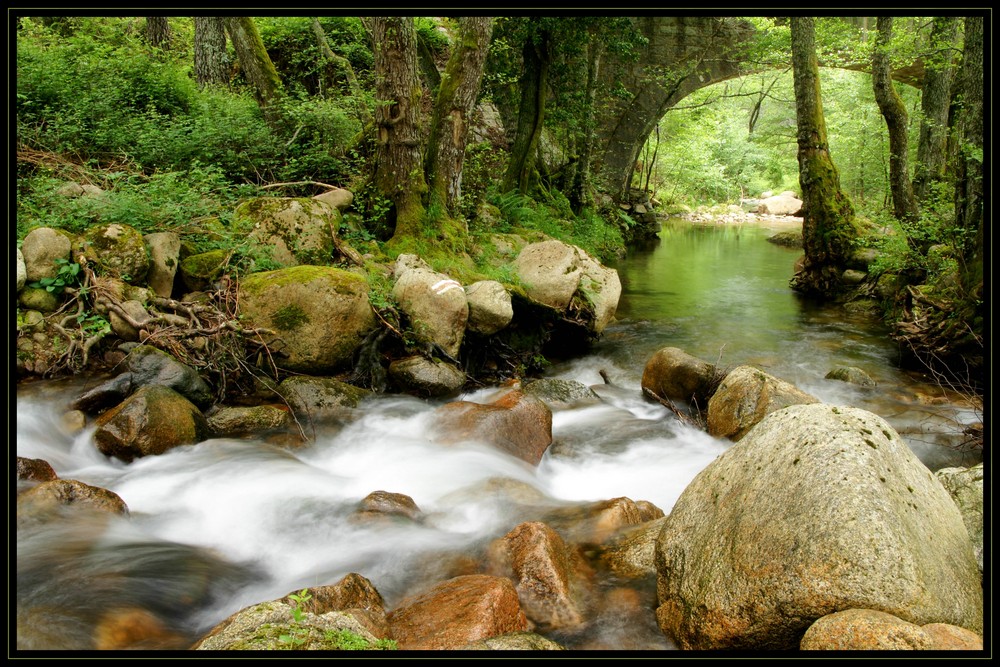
(516, 423)
(436, 306)
(490, 308)
(673, 374)
(566, 278)
(296, 230)
(426, 377)
(457, 612)
(819, 509)
(321, 314)
(118, 251)
(966, 488)
(41, 248)
(745, 397)
(164, 256)
(147, 366)
(784, 204)
(153, 420)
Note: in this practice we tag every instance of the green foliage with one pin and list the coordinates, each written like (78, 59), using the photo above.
(68, 275)
(345, 640)
(296, 633)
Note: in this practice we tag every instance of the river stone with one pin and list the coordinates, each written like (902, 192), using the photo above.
(745, 396)
(490, 308)
(561, 394)
(787, 239)
(630, 555)
(851, 374)
(321, 314)
(384, 502)
(353, 593)
(35, 470)
(457, 612)
(436, 306)
(953, 638)
(338, 198)
(514, 641)
(38, 298)
(542, 569)
(674, 374)
(966, 488)
(819, 509)
(553, 273)
(124, 329)
(73, 422)
(46, 499)
(515, 423)
(864, 630)
(231, 421)
(259, 627)
(134, 628)
(853, 277)
(117, 250)
(594, 523)
(296, 230)
(783, 204)
(648, 511)
(40, 250)
(321, 400)
(426, 377)
(164, 256)
(22, 270)
(153, 420)
(200, 271)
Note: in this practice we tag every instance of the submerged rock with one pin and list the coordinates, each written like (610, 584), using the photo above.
(561, 394)
(515, 423)
(819, 509)
(851, 374)
(48, 498)
(631, 555)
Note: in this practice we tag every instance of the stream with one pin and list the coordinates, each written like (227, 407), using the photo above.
(227, 523)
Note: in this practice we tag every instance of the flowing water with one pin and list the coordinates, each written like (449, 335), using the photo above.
(226, 523)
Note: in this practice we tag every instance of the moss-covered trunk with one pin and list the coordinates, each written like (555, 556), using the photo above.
(580, 192)
(399, 172)
(935, 100)
(904, 204)
(255, 63)
(969, 165)
(453, 111)
(211, 60)
(521, 171)
(828, 229)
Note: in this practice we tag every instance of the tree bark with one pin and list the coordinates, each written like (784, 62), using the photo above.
(254, 61)
(157, 31)
(211, 60)
(969, 165)
(580, 195)
(935, 101)
(453, 111)
(904, 204)
(399, 172)
(521, 171)
(828, 227)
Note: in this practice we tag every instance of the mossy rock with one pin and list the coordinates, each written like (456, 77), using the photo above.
(199, 271)
(117, 250)
(320, 314)
(40, 299)
(297, 230)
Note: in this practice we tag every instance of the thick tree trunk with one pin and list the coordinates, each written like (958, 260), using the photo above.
(254, 61)
(344, 65)
(211, 60)
(969, 165)
(935, 101)
(452, 113)
(828, 228)
(157, 31)
(399, 172)
(521, 171)
(904, 204)
(580, 195)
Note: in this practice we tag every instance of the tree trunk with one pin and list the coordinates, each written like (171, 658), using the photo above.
(904, 205)
(452, 113)
(828, 228)
(211, 60)
(399, 172)
(364, 115)
(521, 171)
(425, 59)
(580, 195)
(969, 165)
(934, 102)
(157, 31)
(254, 61)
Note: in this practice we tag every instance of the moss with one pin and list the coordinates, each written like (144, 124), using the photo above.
(207, 264)
(343, 282)
(289, 318)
